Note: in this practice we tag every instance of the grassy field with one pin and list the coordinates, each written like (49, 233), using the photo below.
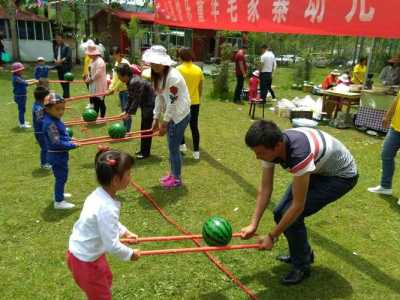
(356, 240)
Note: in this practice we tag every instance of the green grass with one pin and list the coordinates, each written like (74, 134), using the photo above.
(356, 239)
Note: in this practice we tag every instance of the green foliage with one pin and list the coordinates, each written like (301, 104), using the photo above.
(221, 80)
(303, 70)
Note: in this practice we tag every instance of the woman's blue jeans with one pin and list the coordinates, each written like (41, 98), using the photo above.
(175, 135)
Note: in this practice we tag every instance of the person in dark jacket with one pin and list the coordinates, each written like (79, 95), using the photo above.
(63, 61)
(140, 94)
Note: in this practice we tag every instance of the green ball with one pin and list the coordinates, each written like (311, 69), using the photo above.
(70, 132)
(69, 76)
(117, 131)
(89, 115)
(217, 231)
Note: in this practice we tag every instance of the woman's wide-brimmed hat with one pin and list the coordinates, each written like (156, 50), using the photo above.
(158, 55)
(92, 50)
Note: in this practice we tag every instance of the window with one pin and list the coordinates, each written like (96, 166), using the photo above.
(22, 33)
(46, 31)
(39, 31)
(31, 30)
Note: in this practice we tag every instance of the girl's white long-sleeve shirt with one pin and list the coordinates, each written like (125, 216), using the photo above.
(98, 229)
(173, 101)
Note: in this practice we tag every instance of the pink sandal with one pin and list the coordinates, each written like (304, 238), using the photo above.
(171, 182)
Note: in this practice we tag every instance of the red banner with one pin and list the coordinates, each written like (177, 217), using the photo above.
(374, 18)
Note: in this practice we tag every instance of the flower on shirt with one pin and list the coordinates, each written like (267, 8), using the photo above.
(174, 93)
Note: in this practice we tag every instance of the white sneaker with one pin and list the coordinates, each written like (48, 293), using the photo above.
(67, 195)
(196, 154)
(183, 148)
(25, 126)
(398, 202)
(46, 167)
(63, 205)
(380, 190)
(89, 106)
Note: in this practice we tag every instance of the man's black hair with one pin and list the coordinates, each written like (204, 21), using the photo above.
(263, 133)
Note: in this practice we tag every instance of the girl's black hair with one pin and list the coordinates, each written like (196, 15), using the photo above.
(186, 54)
(124, 70)
(156, 78)
(111, 163)
(115, 50)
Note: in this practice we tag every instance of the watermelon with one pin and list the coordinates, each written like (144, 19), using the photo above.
(70, 132)
(217, 231)
(69, 76)
(89, 115)
(117, 131)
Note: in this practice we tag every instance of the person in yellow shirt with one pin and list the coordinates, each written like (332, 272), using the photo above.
(85, 74)
(194, 78)
(359, 71)
(391, 146)
(117, 86)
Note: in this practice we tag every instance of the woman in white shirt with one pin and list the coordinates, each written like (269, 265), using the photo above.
(173, 101)
(98, 229)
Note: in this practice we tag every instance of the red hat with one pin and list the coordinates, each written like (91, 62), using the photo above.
(16, 67)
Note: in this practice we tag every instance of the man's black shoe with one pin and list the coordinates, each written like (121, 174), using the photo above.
(295, 276)
(288, 260)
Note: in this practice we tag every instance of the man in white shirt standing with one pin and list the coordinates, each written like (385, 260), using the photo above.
(268, 66)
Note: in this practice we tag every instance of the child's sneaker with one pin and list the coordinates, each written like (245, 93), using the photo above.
(89, 106)
(46, 167)
(172, 182)
(380, 190)
(183, 148)
(63, 205)
(196, 154)
(25, 126)
(165, 178)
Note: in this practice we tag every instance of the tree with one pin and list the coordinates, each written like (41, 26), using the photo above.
(11, 7)
(133, 31)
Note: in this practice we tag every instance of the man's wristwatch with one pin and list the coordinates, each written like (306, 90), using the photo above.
(273, 239)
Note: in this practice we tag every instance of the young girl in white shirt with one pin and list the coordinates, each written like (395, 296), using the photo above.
(173, 101)
(98, 230)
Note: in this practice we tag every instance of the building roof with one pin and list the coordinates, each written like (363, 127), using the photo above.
(23, 16)
(127, 15)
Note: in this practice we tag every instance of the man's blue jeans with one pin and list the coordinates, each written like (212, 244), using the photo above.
(175, 135)
(390, 147)
(322, 191)
(123, 101)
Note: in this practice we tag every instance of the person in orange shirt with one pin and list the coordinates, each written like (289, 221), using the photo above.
(331, 80)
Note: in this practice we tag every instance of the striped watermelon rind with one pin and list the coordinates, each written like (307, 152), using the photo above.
(117, 131)
(69, 132)
(89, 115)
(217, 232)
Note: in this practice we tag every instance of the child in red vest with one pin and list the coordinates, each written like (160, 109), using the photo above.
(253, 86)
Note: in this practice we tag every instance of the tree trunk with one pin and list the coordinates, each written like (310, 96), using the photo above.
(216, 49)
(59, 17)
(76, 16)
(12, 11)
(87, 23)
(355, 50)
